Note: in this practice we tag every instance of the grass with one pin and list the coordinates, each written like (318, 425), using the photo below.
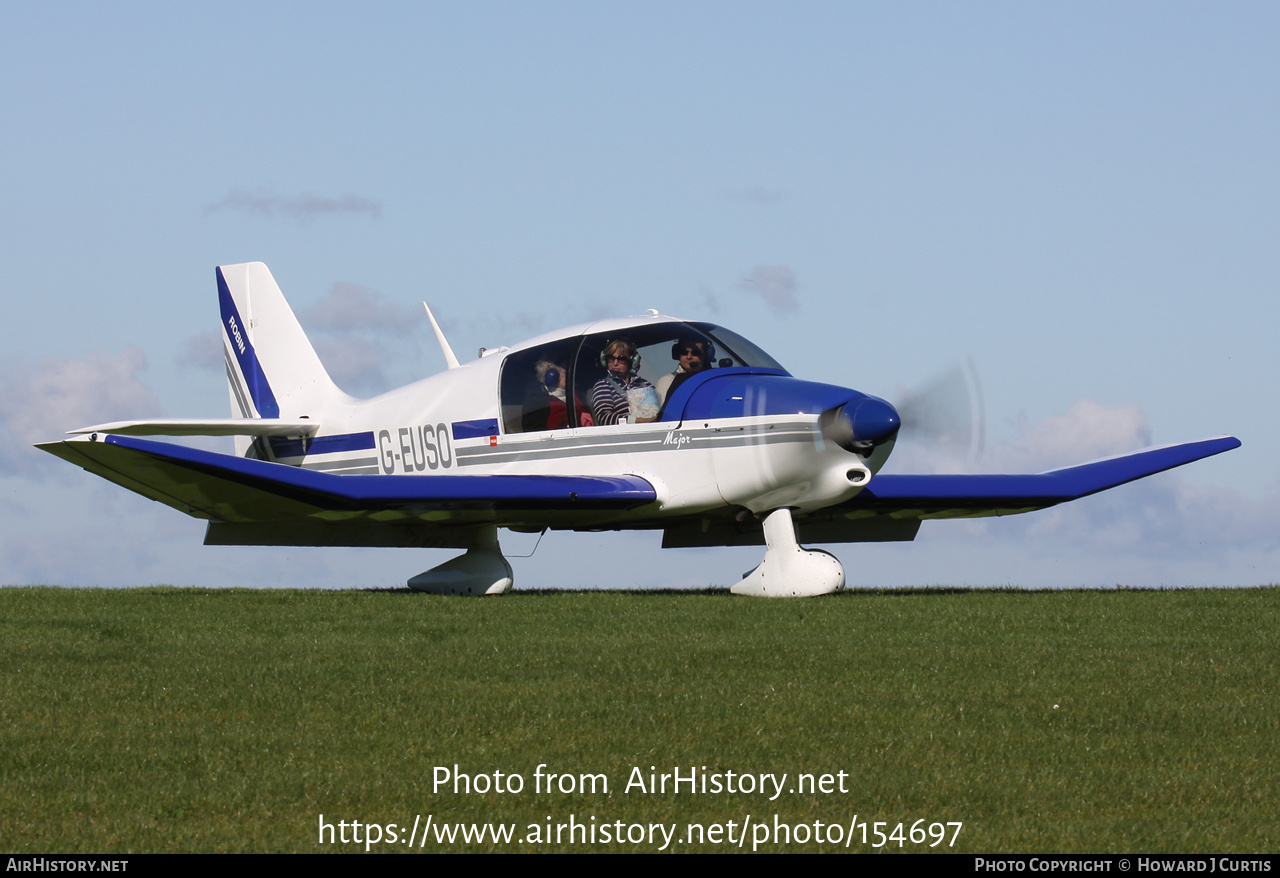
(165, 719)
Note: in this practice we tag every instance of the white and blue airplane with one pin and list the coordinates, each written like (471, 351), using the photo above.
(727, 449)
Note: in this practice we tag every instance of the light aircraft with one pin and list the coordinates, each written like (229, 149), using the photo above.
(735, 453)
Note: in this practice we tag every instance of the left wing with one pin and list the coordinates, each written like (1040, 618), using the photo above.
(891, 507)
(979, 496)
(255, 502)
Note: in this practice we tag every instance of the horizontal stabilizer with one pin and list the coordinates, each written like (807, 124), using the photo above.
(974, 496)
(237, 490)
(205, 427)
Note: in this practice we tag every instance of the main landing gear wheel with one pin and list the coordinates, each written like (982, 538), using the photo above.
(482, 570)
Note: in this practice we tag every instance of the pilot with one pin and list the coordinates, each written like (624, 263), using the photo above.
(621, 396)
(693, 355)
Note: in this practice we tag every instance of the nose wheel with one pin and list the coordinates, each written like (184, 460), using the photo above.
(789, 570)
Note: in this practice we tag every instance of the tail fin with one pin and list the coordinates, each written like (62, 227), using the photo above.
(272, 369)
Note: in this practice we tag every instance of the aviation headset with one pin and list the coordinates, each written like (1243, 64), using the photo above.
(707, 348)
(631, 348)
(548, 373)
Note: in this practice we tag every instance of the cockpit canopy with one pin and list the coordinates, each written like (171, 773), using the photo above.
(570, 382)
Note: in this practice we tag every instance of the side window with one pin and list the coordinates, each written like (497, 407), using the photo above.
(534, 387)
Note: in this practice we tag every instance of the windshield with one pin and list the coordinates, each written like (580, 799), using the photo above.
(742, 351)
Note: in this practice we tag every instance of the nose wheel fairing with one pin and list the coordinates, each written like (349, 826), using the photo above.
(789, 570)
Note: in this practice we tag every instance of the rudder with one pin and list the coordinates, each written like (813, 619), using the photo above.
(272, 369)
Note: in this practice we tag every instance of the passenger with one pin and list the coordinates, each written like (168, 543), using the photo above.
(693, 355)
(550, 410)
(621, 396)
(551, 378)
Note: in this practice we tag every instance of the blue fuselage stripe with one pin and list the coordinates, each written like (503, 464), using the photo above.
(335, 444)
(475, 429)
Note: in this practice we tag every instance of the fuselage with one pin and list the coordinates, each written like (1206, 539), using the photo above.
(739, 431)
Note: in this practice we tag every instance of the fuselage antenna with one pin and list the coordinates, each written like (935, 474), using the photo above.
(444, 344)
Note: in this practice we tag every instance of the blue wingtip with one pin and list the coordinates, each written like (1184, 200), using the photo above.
(1099, 475)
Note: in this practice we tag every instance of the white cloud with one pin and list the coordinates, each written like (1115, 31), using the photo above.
(44, 400)
(1088, 431)
(510, 327)
(122, 539)
(1162, 520)
(350, 307)
(358, 333)
(365, 340)
(709, 301)
(202, 351)
(758, 195)
(776, 284)
(298, 207)
(356, 363)
(1166, 519)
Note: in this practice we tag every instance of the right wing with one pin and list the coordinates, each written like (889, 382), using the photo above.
(255, 502)
(204, 427)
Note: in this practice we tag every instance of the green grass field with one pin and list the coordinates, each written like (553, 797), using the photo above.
(165, 719)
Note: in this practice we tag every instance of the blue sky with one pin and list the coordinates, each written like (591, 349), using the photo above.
(1084, 198)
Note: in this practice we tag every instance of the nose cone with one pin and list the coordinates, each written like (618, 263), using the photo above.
(873, 419)
(863, 423)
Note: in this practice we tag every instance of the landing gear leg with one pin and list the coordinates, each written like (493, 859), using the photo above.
(482, 570)
(789, 571)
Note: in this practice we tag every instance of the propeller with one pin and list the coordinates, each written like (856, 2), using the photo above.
(948, 412)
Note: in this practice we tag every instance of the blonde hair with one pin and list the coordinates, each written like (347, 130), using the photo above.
(613, 346)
